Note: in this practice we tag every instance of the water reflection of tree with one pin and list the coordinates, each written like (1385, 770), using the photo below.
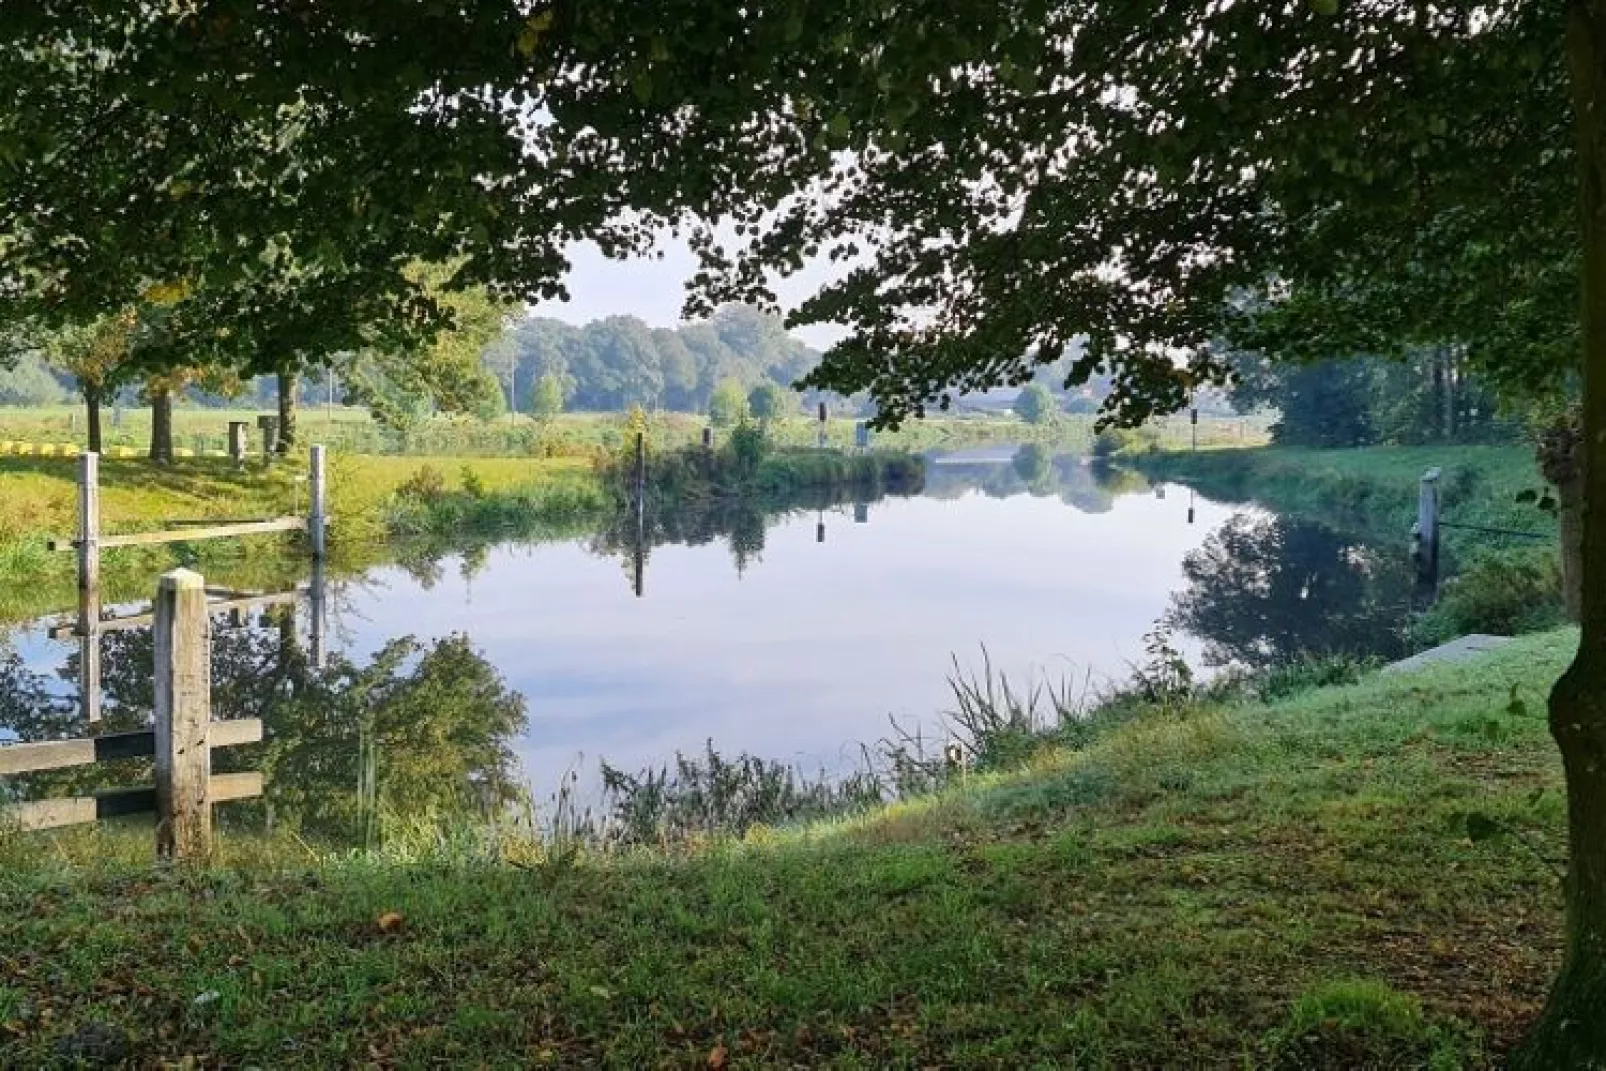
(419, 729)
(1265, 591)
(742, 522)
(1082, 483)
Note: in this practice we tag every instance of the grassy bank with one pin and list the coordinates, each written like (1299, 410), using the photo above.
(1368, 489)
(1285, 886)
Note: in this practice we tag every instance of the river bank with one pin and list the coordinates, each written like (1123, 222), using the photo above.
(382, 506)
(1354, 876)
(1371, 490)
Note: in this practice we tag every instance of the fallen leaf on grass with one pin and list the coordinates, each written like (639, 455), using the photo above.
(390, 922)
(717, 1056)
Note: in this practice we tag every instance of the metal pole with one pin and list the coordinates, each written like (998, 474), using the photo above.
(89, 585)
(317, 521)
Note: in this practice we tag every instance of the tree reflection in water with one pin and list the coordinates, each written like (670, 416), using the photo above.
(420, 730)
(1265, 591)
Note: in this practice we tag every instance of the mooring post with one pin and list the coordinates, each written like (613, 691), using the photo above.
(318, 519)
(822, 425)
(708, 438)
(183, 716)
(640, 550)
(237, 447)
(89, 584)
(1426, 539)
(318, 608)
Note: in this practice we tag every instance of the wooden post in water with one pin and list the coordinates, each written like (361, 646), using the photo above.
(640, 557)
(822, 426)
(708, 438)
(183, 716)
(1425, 542)
(89, 585)
(318, 518)
(318, 608)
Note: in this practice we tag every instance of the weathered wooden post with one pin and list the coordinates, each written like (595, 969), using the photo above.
(270, 435)
(318, 517)
(708, 438)
(1425, 540)
(237, 447)
(861, 513)
(183, 716)
(89, 585)
(822, 426)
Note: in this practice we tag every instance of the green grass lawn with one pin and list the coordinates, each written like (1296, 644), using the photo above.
(1289, 886)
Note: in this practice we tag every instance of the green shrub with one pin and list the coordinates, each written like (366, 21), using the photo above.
(1503, 593)
(425, 485)
(1308, 673)
(1112, 441)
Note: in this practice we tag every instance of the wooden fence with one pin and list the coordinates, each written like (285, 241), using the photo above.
(180, 741)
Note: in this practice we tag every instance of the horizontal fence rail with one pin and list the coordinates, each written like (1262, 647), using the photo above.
(117, 802)
(141, 744)
(142, 539)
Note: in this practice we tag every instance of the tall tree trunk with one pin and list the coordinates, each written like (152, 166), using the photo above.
(92, 394)
(1447, 357)
(1562, 463)
(1571, 1032)
(289, 385)
(162, 426)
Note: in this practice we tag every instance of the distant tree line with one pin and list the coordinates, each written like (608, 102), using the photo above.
(614, 363)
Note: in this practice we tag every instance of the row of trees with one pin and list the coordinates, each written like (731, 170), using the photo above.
(617, 362)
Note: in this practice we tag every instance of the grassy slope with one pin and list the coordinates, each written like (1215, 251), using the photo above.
(1373, 489)
(1161, 900)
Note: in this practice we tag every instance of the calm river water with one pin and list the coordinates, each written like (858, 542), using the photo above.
(793, 636)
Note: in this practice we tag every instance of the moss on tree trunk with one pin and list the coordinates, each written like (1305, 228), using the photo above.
(92, 394)
(289, 385)
(162, 426)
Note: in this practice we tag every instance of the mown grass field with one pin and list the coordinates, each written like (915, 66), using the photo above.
(1286, 886)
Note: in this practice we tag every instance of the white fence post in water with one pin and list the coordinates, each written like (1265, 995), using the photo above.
(183, 716)
(89, 584)
(1427, 527)
(317, 522)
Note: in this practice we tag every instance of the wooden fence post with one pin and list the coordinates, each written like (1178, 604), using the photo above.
(89, 584)
(318, 520)
(237, 447)
(183, 717)
(1427, 528)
